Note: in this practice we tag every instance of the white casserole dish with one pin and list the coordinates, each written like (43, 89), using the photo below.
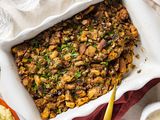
(144, 19)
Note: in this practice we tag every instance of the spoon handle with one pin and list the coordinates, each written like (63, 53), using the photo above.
(109, 110)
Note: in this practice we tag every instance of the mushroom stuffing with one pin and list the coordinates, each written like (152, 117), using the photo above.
(79, 59)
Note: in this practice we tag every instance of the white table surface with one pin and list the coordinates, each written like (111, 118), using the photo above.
(134, 112)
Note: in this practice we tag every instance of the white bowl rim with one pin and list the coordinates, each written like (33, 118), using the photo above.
(149, 109)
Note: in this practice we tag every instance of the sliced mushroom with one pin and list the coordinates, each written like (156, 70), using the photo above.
(122, 68)
(101, 45)
(82, 48)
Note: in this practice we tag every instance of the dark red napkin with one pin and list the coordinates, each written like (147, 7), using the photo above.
(123, 104)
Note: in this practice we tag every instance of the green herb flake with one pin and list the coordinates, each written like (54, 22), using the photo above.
(74, 26)
(109, 42)
(105, 63)
(110, 33)
(30, 60)
(24, 60)
(95, 45)
(59, 111)
(97, 84)
(90, 28)
(74, 54)
(46, 57)
(59, 49)
(77, 74)
(63, 46)
(55, 77)
(47, 75)
(35, 87)
(102, 35)
(44, 89)
(80, 30)
(75, 96)
(38, 65)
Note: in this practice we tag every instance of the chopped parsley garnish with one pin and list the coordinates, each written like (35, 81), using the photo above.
(74, 54)
(64, 46)
(47, 75)
(110, 33)
(55, 77)
(90, 28)
(46, 57)
(44, 89)
(38, 65)
(59, 110)
(95, 45)
(30, 59)
(35, 87)
(59, 48)
(77, 74)
(105, 63)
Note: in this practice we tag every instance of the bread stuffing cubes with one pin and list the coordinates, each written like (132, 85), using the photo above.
(77, 60)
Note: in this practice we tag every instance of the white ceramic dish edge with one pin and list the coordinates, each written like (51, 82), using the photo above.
(149, 29)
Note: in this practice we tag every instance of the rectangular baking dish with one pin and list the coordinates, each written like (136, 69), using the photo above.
(148, 25)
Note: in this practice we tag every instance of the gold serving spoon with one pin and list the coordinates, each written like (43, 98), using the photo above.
(109, 110)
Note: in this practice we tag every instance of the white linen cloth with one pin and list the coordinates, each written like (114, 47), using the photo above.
(18, 15)
(155, 4)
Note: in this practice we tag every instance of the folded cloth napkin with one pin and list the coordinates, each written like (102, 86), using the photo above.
(122, 105)
(155, 4)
